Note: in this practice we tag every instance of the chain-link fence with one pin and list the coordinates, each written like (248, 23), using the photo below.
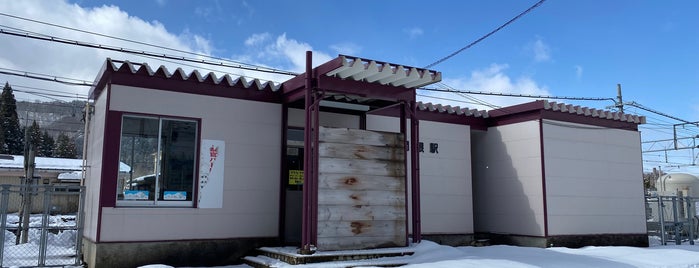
(673, 219)
(40, 225)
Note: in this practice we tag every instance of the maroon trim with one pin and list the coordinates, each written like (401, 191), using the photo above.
(514, 118)
(406, 150)
(581, 119)
(476, 123)
(306, 224)
(110, 159)
(100, 204)
(364, 89)
(314, 176)
(197, 154)
(535, 110)
(177, 83)
(543, 177)
(519, 108)
(415, 172)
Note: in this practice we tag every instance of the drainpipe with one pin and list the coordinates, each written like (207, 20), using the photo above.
(86, 134)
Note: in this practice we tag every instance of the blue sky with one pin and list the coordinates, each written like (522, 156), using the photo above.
(562, 48)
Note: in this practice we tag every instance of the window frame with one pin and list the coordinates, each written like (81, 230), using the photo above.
(195, 174)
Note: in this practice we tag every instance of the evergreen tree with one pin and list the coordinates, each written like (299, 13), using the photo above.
(13, 140)
(34, 135)
(45, 148)
(65, 147)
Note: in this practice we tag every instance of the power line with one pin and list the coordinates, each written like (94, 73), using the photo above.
(76, 95)
(127, 40)
(32, 35)
(518, 95)
(45, 77)
(487, 35)
(638, 105)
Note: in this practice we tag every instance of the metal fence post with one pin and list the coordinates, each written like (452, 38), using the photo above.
(3, 218)
(678, 239)
(661, 220)
(80, 222)
(690, 218)
(48, 190)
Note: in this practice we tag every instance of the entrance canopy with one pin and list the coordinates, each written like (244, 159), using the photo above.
(355, 85)
(356, 80)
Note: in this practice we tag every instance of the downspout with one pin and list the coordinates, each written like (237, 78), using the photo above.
(88, 113)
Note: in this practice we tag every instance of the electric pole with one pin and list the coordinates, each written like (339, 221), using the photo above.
(619, 100)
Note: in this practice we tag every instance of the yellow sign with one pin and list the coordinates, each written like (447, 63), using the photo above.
(295, 177)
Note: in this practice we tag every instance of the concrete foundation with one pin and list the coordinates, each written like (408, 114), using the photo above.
(454, 240)
(173, 253)
(570, 241)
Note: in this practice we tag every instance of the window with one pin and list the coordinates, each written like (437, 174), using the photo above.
(161, 154)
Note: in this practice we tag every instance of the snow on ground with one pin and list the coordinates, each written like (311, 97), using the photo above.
(432, 255)
(60, 249)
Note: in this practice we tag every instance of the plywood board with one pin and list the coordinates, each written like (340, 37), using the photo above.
(336, 181)
(361, 189)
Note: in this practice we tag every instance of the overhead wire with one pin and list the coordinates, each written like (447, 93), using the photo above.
(537, 4)
(46, 77)
(49, 38)
(127, 40)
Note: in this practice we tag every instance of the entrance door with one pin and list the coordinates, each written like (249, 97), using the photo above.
(293, 187)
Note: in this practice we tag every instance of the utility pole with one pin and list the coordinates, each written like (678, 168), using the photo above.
(619, 100)
(27, 188)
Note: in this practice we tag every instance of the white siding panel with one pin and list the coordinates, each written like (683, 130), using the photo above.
(508, 190)
(593, 180)
(297, 119)
(446, 194)
(383, 123)
(94, 166)
(252, 132)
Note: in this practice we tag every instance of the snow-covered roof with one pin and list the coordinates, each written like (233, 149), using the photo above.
(50, 163)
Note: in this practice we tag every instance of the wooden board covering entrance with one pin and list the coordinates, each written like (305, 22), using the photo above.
(361, 189)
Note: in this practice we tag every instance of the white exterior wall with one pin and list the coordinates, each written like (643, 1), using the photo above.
(593, 180)
(297, 118)
(507, 180)
(446, 200)
(252, 133)
(94, 166)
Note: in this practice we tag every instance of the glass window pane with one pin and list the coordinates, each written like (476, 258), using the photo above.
(138, 149)
(178, 146)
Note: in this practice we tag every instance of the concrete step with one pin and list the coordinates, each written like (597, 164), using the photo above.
(275, 257)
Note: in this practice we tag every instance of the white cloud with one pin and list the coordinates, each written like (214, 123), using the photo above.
(84, 63)
(283, 52)
(79, 62)
(540, 50)
(491, 79)
(257, 39)
(578, 71)
(413, 32)
(347, 49)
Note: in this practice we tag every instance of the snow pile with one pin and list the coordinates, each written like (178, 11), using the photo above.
(432, 255)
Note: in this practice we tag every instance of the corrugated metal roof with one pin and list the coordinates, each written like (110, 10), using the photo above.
(384, 73)
(162, 71)
(447, 109)
(591, 112)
